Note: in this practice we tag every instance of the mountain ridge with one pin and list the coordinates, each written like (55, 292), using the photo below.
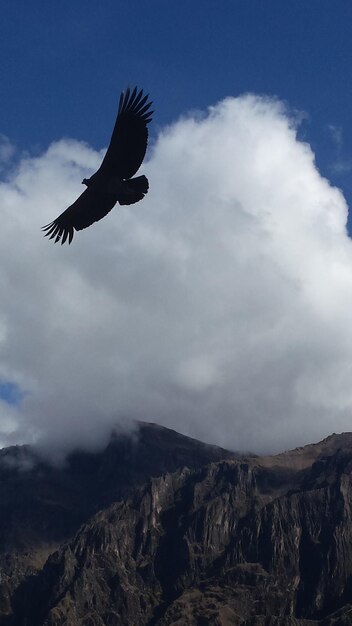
(179, 532)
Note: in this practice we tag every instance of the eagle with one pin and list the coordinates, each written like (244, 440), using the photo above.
(113, 182)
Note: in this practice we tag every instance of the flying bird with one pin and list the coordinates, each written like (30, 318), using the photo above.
(113, 182)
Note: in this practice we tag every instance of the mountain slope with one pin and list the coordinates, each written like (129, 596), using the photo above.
(216, 540)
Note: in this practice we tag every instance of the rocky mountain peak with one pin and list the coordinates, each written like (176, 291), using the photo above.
(161, 529)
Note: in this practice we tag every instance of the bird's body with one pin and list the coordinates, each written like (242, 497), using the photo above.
(113, 182)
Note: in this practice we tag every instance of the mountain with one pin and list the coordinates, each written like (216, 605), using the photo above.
(160, 529)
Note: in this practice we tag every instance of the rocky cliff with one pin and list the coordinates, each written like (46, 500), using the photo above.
(163, 530)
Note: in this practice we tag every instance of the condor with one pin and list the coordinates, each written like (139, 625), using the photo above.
(113, 182)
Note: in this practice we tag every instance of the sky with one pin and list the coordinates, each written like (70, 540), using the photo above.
(219, 305)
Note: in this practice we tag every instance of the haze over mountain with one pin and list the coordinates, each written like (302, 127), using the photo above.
(162, 530)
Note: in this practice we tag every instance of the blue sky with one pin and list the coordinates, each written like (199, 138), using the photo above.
(64, 64)
(227, 291)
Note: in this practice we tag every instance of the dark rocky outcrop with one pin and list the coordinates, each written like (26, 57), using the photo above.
(207, 539)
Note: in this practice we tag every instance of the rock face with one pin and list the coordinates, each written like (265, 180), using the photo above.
(166, 531)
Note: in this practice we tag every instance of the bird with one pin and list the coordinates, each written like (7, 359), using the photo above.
(113, 182)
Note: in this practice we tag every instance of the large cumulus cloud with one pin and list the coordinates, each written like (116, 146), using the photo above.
(220, 305)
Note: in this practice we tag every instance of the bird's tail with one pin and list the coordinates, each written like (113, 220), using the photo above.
(133, 190)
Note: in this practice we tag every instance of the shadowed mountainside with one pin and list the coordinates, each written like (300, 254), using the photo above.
(160, 529)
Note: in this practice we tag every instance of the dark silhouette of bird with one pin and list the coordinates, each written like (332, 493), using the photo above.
(113, 182)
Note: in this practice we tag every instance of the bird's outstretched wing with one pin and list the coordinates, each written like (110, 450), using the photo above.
(129, 139)
(90, 207)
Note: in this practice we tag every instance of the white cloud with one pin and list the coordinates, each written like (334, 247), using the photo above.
(220, 305)
(7, 151)
(341, 164)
